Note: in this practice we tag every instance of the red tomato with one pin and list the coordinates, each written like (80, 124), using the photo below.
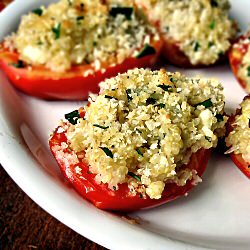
(120, 200)
(237, 158)
(241, 164)
(70, 85)
(236, 55)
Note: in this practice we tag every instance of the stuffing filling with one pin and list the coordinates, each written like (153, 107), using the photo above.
(201, 28)
(76, 32)
(238, 139)
(143, 127)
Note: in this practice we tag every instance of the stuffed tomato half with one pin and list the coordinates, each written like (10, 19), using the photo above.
(65, 50)
(239, 57)
(143, 141)
(195, 33)
(238, 137)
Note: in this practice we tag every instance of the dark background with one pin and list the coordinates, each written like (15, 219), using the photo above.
(24, 225)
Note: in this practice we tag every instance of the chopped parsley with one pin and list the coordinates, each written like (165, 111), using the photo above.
(150, 100)
(107, 152)
(38, 11)
(126, 11)
(214, 3)
(220, 118)
(138, 130)
(99, 126)
(207, 103)
(129, 91)
(141, 196)
(110, 97)
(172, 79)
(19, 64)
(139, 152)
(210, 44)
(57, 31)
(196, 46)
(166, 87)
(147, 50)
(79, 18)
(208, 138)
(73, 117)
(89, 172)
(114, 188)
(248, 71)
(221, 53)
(134, 176)
(212, 25)
(161, 105)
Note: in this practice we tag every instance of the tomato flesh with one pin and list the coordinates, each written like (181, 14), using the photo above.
(241, 164)
(237, 158)
(74, 84)
(236, 55)
(120, 200)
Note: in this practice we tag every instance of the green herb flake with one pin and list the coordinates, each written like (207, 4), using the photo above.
(248, 71)
(150, 100)
(114, 188)
(107, 152)
(147, 50)
(214, 3)
(126, 11)
(139, 152)
(129, 91)
(89, 172)
(212, 25)
(38, 11)
(141, 196)
(19, 64)
(73, 117)
(207, 103)
(172, 79)
(57, 31)
(210, 44)
(221, 53)
(134, 176)
(196, 46)
(99, 126)
(138, 130)
(167, 88)
(161, 105)
(79, 19)
(220, 118)
(208, 138)
(110, 97)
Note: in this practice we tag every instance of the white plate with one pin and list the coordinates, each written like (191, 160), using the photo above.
(214, 215)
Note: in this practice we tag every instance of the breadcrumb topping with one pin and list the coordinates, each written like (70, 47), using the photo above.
(202, 28)
(238, 139)
(143, 127)
(76, 32)
(241, 51)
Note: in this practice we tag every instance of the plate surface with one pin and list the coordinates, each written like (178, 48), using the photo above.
(213, 215)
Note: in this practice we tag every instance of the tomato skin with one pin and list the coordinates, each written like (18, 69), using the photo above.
(119, 200)
(237, 158)
(236, 55)
(241, 164)
(71, 85)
